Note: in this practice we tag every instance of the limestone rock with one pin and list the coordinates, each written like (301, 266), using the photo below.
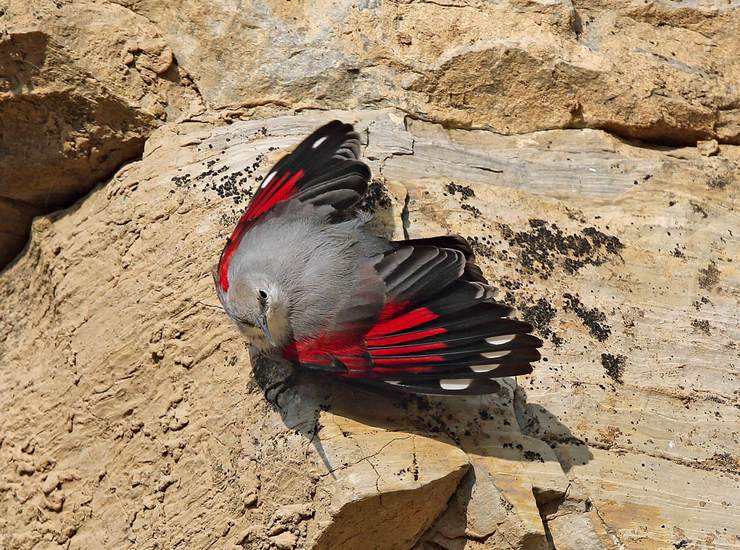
(708, 147)
(660, 70)
(82, 84)
(575, 530)
(284, 541)
(622, 256)
(387, 486)
(73, 106)
(514, 477)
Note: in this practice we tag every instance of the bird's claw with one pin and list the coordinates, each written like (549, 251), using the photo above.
(280, 388)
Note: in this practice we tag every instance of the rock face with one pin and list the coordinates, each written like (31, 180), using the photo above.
(81, 88)
(386, 486)
(132, 414)
(83, 84)
(657, 70)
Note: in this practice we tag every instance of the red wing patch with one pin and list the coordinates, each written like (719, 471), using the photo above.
(410, 319)
(273, 190)
(330, 352)
(407, 337)
(348, 354)
(384, 342)
(438, 333)
(323, 170)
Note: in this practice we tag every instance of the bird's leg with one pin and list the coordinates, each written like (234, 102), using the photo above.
(280, 387)
(274, 375)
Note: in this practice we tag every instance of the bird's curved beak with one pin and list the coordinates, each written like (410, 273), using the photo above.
(262, 321)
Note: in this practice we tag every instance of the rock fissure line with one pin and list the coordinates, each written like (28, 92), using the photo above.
(376, 453)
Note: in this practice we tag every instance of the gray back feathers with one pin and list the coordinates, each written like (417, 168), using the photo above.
(315, 263)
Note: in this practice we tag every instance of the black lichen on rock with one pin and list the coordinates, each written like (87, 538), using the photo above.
(592, 318)
(718, 181)
(533, 456)
(709, 276)
(546, 245)
(613, 365)
(485, 247)
(465, 191)
(539, 315)
(376, 197)
(702, 325)
(701, 302)
(697, 208)
(472, 209)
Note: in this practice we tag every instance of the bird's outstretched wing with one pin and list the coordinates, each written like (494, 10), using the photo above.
(439, 332)
(323, 170)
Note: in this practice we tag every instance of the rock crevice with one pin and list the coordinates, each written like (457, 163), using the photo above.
(133, 415)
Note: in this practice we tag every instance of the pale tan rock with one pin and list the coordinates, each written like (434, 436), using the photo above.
(700, 508)
(661, 71)
(569, 521)
(476, 511)
(284, 541)
(110, 296)
(708, 147)
(72, 108)
(50, 483)
(634, 301)
(513, 478)
(387, 487)
(576, 530)
(96, 77)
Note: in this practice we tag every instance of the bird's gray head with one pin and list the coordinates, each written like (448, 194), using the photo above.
(259, 307)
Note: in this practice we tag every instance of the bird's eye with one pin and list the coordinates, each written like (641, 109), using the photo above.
(262, 294)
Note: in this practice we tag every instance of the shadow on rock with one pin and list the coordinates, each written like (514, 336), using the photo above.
(493, 464)
(500, 425)
(455, 468)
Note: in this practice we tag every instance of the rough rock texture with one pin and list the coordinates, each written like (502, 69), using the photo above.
(386, 486)
(83, 83)
(132, 416)
(81, 88)
(658, 70)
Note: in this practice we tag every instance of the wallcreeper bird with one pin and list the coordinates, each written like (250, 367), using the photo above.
(301, 276)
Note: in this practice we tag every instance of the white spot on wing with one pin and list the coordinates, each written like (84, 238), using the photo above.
(449, 384)
(482, 368)
(500, 340)
(394, 382)
(268, 179)
(318, 142)
(495, 354)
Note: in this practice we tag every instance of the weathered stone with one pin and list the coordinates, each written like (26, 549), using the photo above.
(632, 285)
(387, 487)
(576, 530)
(72, 110)
(284, 541)
(83, 84)
(513, 478)
(700, 509)
(708, 147)
(658, 71)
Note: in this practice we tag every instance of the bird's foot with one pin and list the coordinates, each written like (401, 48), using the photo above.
(279, 388)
